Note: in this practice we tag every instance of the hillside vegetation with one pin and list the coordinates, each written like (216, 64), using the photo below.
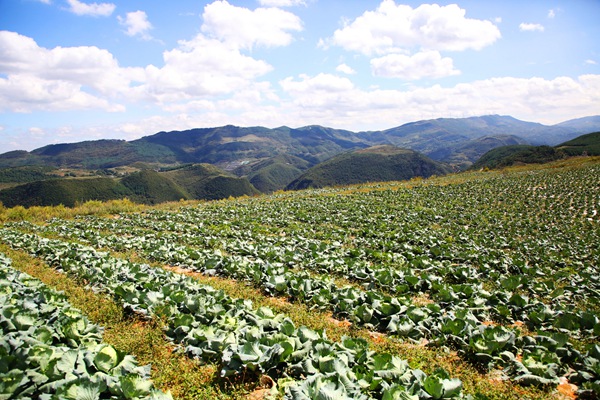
(375, 164)
(274, 173)
(584, 145)
(192, 182)
(479, 284)
(236, 161)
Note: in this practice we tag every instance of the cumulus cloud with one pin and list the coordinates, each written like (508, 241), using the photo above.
(201, 67)
(20, 93)
(394, 28)
(88, 77)
(57, 79)
(346, 69)
(346, 106)
(281, 3)
(426, 64)
(529, 27)
(136, 24)
(243, 28)
(93, 9)
(317, 84)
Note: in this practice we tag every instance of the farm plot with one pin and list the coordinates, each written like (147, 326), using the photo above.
(49, 350)
(504, 269)
(213, 326)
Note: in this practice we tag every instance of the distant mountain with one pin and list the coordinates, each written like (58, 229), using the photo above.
(271, 158)
(151, 187)
(229, 146)
(444, 139)
(583, 125)
(504, 156)
(462, 155)
(374, 164)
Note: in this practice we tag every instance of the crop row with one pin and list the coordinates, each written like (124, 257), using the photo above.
(49, 350)
(529, 240)
(213, 326)
(457, 320)
(283, 270)
(531, 226)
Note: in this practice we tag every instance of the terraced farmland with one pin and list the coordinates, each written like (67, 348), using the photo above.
(498, 272)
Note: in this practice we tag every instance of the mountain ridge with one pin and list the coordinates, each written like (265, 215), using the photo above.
(228, 146)
(268, 159)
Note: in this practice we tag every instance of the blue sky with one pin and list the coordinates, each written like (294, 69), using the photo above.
(73, 70)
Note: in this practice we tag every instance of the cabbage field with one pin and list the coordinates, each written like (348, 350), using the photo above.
(498, 269)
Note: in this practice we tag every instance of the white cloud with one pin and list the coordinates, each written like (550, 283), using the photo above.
(345, 69)
(136, 23)
(527, 27)
(59, 78)
(35, 131)
(282, 3)
(93, 9)
(201, 67)
(394, 28)
(591, 62)
(535, 99)
(22, 93)
(551, 14)
(334, 101)
(243, 28)
(426, 64)
(318, 84)
(85, 77)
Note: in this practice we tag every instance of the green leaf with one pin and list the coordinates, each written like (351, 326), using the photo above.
(24, 321)
(134, 386)
(106, 358)
(67, 362)
(534, 380)
(85, 390)
(440, 386)
(398, 392)
(364, 312)
(11, 382)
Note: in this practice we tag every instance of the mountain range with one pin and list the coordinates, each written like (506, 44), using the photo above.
(249, 160)
(457, 141)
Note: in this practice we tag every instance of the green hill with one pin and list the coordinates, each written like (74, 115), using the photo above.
(523, 154)
(207, 182)
(201, 182)
(26, 174)
(151, 187)
(274, 173)
(375, 164)
(583, 145)
(67, 192)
